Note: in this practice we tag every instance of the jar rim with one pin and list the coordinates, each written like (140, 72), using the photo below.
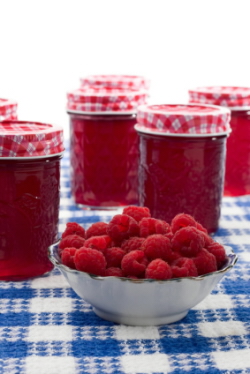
(180, 135)
(32, 157)
(101, 113)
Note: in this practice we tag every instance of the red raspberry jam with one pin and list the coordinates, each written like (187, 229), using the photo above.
(237, 99)
(103, 142)
(237, 179)
(29, 198)
(182, 172)
(104, 160)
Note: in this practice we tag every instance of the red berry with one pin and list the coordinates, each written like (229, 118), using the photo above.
(184, 267)
(113, 272)
(182, 220)
(219, 253)
(157, 246)
(101, 243)
(158, 269)
(73, 228)
(188, 241)
(150, 226)
(67, 256)
(114, 256)
(72, 241)
(205, 262)
(137, 212)
(90, 260)
(133, 263)
(96, 229)
(179, 272)
(207, 239)
(132, 244)
(122, 227)
(201, 228)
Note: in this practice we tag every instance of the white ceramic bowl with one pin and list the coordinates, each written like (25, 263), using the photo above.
(141, 302)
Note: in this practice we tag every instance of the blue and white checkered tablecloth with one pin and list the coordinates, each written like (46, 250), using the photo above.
(45, 328)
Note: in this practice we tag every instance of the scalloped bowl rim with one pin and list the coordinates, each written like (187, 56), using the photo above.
(230, 264)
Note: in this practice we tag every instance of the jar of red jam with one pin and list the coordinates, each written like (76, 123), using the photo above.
(30, 154)
(103, 142)
(182, 160)
(8, 110)
(237, 99)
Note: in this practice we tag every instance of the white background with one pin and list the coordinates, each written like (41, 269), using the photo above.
(46, 46)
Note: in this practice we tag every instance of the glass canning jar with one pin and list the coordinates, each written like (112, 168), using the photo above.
(237, 100)
(30, 154)
(182, 161)
(103, 142)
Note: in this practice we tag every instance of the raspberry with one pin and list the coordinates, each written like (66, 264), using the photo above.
(207, 239)
(201, 228)
(113, 272)
(158, 269)
(122, 227)
(133, 263)
(188, 240)
(169, 235)
(157, 246)
(132, 244)
(72, 241)
(182, 220)
(137, 212)
(96, 229)
(90, 260)
(73, 228)
(184, 267)
(205, 262)
(101, 243)
(179, 272)
(67, 257)
(219, 253)
(150, 226)
(114, 256)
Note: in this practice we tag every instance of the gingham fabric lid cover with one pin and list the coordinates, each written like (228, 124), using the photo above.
(29, 139)
(183, 119)
(7, 107)
(233, 97)
(92, 99)
(116, 81)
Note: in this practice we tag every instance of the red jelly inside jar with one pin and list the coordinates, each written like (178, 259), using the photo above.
(29, 208)
(104, 159)
(103, 142)
(237, 179)
(237, 99)
(29, 197)
(180, 174)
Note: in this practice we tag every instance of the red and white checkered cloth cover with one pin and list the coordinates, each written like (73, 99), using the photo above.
(92, 99)
(116, 81)
(29, 139)
(183, 119)
(232, 97)
(8, 109)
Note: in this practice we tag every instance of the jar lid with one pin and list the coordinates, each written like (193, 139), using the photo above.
(7, 107)
(232, 97)
(183, 119)
(116, 81)
(108, 100)
(29, 139)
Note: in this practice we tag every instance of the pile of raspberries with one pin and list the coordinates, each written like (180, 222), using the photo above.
(135, 245)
